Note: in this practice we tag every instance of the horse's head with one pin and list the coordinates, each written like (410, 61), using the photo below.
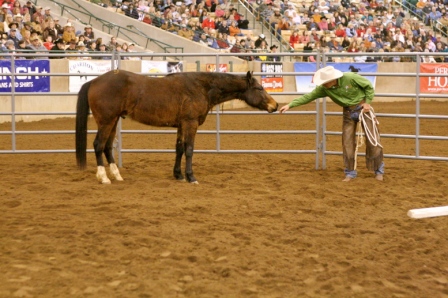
(257, 97)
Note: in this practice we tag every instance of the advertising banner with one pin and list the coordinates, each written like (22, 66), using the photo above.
(212, 67)
(272, 82)
(83, 68)
(32, 80)
(161, 66)
(435, 84)
(305, 83)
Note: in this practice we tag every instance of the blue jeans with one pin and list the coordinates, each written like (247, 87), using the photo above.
(354, 173)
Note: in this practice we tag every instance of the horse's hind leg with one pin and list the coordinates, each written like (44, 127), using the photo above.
(177, 171)
(108, 152)
(99, 145)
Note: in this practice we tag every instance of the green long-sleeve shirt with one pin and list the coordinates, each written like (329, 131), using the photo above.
(350, 90)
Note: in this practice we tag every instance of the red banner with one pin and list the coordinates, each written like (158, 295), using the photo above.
(272, 80)
(435, 84)
(272, 84)
(212, 67)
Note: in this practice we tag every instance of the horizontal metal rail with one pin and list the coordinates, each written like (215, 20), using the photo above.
(423, 116)
(255, 132)
(395, 136)
(439, 158)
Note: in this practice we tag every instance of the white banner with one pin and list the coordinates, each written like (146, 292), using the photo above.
(161, 66)
(83, 68)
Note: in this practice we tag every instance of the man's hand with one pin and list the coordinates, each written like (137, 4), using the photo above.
(365, 107)
(284, 109)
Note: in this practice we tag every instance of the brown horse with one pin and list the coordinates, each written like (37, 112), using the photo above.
(180, 100)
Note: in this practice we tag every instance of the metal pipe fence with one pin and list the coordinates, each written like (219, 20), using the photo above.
(320, 115)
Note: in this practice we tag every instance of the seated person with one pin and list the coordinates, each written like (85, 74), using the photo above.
(185, 32)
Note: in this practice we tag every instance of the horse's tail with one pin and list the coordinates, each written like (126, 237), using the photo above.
(82, 113)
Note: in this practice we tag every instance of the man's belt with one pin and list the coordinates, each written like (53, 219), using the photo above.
(355, 106)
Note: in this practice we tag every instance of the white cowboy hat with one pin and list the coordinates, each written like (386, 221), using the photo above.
(326, 74)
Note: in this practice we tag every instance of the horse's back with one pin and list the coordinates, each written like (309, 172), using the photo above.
(171, 99)
(116, 80)
(115, 83)
(153, 101)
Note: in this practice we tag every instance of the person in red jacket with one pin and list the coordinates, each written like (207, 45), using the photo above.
(294, 38)
(340, 32)
(208, 22)
(236, 15)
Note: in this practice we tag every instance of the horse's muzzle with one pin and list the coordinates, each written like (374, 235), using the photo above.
(272, 107)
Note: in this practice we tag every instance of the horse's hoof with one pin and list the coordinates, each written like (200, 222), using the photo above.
(115, 172)
(194, 182)
(103, 180)
(117, 177)
(101, 175)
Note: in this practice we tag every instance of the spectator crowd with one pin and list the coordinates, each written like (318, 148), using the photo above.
(365, 26)
(29, 30)
(212, 23)
(311, 25)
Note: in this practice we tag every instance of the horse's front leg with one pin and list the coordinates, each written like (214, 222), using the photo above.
(189, 136)
(177, 171)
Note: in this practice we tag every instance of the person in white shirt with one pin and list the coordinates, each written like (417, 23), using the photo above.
(428, 59)
(431, 46)
(292, 15)
(323, 7)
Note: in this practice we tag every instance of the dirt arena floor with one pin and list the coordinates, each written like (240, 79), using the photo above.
(257, 225)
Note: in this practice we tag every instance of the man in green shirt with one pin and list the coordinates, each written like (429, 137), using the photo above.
(354, 93)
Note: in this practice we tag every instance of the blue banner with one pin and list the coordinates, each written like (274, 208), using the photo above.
(32, 80)
(304, 83)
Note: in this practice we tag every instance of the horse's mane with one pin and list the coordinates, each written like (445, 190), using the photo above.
(223, 78)
(201, 73)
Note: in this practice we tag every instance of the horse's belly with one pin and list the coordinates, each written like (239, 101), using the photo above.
(166, 109)
(155, 117)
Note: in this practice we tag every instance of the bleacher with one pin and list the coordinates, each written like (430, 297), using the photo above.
(282, 38)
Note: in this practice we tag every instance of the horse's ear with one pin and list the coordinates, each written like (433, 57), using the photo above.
(249, 77)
